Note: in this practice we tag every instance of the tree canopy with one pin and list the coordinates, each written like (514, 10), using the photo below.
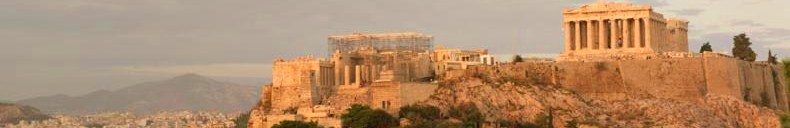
(296, 124)
(742, 48)
(421, 116)
(517, 58)
(706, 48)
(361, 116)
(469, 114)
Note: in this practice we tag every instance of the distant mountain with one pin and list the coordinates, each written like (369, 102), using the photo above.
(186, 92)
(12, 113)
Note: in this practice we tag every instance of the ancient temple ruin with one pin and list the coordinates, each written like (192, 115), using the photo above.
(363, 68)
(612, 51)
(605, 28)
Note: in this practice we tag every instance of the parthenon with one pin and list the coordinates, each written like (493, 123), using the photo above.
(607, 27)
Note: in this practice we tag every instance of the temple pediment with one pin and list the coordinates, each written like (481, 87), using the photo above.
(608, 6)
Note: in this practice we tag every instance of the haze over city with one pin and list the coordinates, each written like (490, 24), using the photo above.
(78, 46)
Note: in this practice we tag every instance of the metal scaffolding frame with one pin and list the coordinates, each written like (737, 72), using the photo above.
(415, 42)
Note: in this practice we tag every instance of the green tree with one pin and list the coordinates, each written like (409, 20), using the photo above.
(517, 59)
(422, 111)
(296, 124)
(241, 120)
(742, 48)
(421, 116)
(784, 119)
(361, 116)
(469, 114)
(706, 48)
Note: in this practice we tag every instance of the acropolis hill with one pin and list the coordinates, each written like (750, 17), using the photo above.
(623, 65)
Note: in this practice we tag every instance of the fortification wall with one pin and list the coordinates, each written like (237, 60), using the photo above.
(347, 96)
(287, 97)
(599, 80)
(688, 78)
(763, 84)
(672, 78)
(411, 93)
(385, 96)
(723, 76)
(781, 91)
(297, 82)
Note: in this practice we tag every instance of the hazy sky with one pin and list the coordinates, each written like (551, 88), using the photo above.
(76, 46)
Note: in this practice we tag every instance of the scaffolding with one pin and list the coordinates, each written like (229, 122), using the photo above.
(415, 42)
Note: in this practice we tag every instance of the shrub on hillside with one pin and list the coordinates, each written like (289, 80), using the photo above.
(421, 116)
(296, 124)
(361, 116)
(469, 114)
(241, 120)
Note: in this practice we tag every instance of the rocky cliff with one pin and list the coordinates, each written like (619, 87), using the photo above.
(506, 99)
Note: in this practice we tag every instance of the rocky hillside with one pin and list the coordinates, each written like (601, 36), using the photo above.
(185, 92)
(12, 113)
(500, 99)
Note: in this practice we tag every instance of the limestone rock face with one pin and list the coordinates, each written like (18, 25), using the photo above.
(523, 104)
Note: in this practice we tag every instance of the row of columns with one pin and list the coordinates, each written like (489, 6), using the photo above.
(606, 34)
(326, 76)
(361, 73)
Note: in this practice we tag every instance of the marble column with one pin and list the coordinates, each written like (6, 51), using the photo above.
(347, 75)
(590, 35)
(331, 76)
(601, 34)
(639, 35)
(337, 74)
(567, 28)
(628, 33)
(578, 35)
(648, 32)
(365, 73)
(321, 75)
(357, 75)
(613, 34)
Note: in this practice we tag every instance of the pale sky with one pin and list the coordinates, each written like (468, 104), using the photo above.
(77, 46)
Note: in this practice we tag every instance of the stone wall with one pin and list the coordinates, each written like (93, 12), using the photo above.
(385, 95)
(678, 34)
(673, 78)
(301, 82)
(686, 78)
(600, 80)
(411, 93)
(763, 84)
(781, 90)
(347, 96)
(723, 76)
(289, 97)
